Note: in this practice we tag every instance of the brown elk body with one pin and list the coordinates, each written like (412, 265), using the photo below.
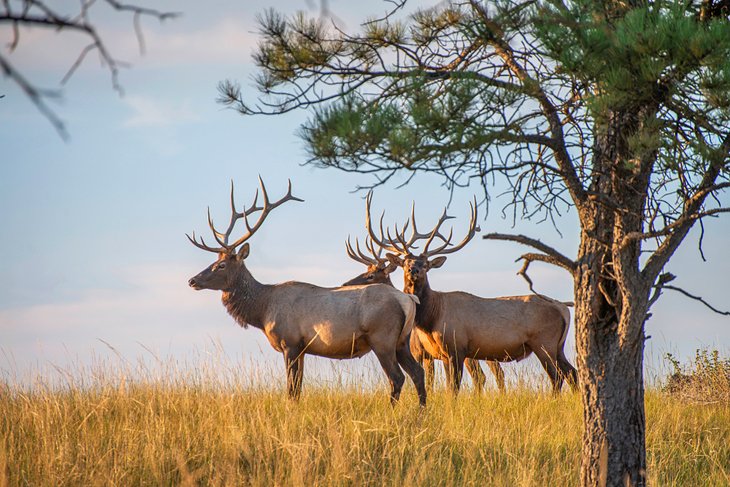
(300, 318)
(378, 272)
(453, 326)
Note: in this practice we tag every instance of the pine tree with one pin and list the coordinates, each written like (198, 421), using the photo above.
(620, 109)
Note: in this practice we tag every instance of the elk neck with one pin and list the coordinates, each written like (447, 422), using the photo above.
(247, 299)
(428, 310)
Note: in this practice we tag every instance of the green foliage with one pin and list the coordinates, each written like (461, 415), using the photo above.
(405, 128)
(291, 46)
(512, 93)
(632, 56)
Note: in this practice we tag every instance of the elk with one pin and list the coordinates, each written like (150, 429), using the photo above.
(378, 271)
(453, 326)
(299, 318)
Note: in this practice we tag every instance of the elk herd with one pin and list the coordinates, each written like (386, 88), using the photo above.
(406, 330)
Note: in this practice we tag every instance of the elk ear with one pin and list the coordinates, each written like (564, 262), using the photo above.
(392, 266)
(243, 253)
(437, 262)
(394, 259)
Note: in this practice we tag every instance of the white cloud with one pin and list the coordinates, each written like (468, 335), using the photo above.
(228, 41)
(173, 44)
(149, 112)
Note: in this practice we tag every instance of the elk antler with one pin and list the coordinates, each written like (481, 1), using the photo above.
(442, 250)
(360, 257)
(222, 238)
(392, 243)
(400, 245)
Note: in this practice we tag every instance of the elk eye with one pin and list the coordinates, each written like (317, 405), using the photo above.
(220, 266)
(370, 278)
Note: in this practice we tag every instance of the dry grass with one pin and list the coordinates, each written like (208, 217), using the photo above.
(210, 426)
(705, 380)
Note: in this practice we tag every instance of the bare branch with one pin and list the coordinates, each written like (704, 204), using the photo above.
(697, 298)
(37, 14)
(505, 51)
(552, 256)
(663, 279)
(693, 206)
(667, 230)
(37, 96)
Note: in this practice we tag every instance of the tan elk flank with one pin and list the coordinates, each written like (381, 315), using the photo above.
(378, 272)
(453, 326)
(299, 318)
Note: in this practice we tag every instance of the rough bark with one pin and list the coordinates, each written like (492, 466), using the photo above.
(611, 298)
(611, 380)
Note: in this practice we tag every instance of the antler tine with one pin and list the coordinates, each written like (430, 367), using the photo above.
(202, 245)
(473, 229)
(435, 232)
(369, 245)
(222, 238)
(265, 210)
(446, 243)
(369, 226)
(263, 191)
(253, 208)
(375, 259)
(416, 235)
(359, 256)
(401, 237)
(218, 235)
(413, 216)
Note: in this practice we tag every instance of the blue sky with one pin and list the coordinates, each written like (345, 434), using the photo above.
(94, 246)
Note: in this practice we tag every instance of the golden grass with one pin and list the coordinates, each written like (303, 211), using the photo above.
(196, 428)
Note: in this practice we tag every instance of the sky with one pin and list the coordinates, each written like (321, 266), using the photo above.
(94, 261)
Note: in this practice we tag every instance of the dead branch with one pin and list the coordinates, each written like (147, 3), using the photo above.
(39, 14)
(697, 298)
(552, 256)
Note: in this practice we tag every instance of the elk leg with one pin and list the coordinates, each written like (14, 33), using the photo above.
(389, 362)
(413, 369)
(550, 366)
(476, 373)
(429, 370)
(455, 371)
(498, 373)
(424, 359)
(568, 371)
(294, 359)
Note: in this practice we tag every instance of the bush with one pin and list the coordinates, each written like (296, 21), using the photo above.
(705, 380)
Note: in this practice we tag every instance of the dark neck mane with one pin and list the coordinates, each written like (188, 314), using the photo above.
(429, 310)
(246, 300)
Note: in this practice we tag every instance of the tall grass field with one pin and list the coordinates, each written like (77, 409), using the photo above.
(208, 426)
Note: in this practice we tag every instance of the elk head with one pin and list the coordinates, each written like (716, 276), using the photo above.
(401, 249)
(222, 274)
(378, 268)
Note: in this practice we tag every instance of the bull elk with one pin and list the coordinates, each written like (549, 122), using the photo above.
(453, 326)
(378, 271)
(299, 318)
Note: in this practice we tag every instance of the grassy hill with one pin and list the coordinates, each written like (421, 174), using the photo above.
(182, 429)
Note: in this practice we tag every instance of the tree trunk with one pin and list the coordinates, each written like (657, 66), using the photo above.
(612, 392)
(611, 306)
(612, 299)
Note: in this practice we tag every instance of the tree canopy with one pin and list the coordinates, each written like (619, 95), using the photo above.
(618, 109)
